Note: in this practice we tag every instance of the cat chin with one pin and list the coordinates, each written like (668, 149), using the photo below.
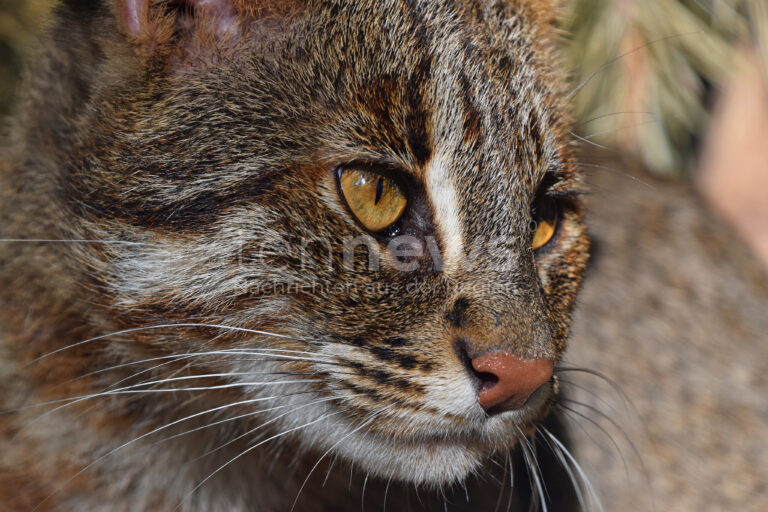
(424, 464)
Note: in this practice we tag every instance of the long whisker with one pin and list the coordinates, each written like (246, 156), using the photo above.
(612, 383)
(623, 173)
(613, 114)
(386, 491)
(251, 353)
(178, 357)
(362, 499)
(210, 376)
(276, 418)
(127, 390)
(200, 388)
(329, 450)
(511, 481)
(604, 431)
(607, 418)
(588, 138)
(591, 393)
(168, 326)
(136, 439)
(638, 455)
(502, 485)
(328, 473)
(252, 413)
(577, 421)
(535, 470)
(577, 486)
(75, 241)
(70, 401)
(250, 449)
(590, 490)
(585, 140)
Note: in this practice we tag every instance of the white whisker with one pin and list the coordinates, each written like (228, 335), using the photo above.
(367, 422)
(253, 413)
(535, 471)
(577, 486)
(136, 439)
(590, 491)
(74, 241)
(250, 449)
(168, 326)
(178, 357)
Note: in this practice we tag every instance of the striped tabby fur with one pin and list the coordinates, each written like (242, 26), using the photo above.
(198, 336)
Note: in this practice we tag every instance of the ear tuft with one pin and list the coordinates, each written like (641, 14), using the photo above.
(140, 20)
(221, 12)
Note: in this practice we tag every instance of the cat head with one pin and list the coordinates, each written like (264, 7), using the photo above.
(360, 216)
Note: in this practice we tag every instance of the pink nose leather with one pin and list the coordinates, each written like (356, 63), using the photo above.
(517, 380)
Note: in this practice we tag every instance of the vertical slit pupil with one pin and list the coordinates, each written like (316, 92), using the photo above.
(379, 190)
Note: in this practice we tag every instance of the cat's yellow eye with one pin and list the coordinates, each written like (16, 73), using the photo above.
(545, 218)
(376, 200)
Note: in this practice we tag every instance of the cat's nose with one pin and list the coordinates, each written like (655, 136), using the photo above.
(508, 381)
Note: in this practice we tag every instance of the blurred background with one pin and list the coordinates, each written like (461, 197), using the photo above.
(681, 85)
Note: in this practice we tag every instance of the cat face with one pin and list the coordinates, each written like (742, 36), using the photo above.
(369, 196)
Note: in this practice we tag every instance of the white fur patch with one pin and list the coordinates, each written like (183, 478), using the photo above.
(445, 203)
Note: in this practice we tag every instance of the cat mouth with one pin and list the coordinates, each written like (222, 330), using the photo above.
(431, 449)
(480, 429)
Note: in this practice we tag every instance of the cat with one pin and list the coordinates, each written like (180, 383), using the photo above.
(291, 255)
(189, 170)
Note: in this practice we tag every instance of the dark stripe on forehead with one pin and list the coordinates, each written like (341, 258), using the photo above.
(419, 116)
(419, 111)
(473, 120)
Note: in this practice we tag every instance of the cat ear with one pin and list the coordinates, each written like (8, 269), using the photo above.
(147, 19)
(155, 22)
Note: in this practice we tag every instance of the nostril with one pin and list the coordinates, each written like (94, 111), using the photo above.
(507, 381)
(487, 380)
(460, 347)
(482, 380)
